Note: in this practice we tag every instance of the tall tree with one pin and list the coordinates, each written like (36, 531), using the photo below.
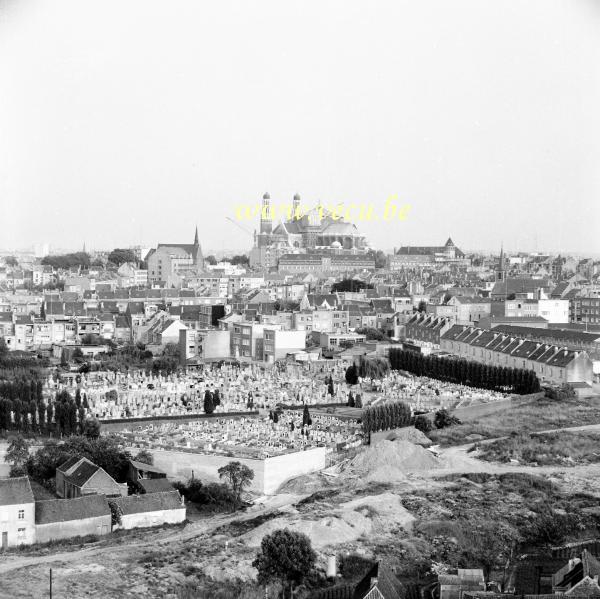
(17, 452)
(285, 556)
(238, 476)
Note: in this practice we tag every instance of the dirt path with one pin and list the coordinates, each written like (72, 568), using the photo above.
(191, 531)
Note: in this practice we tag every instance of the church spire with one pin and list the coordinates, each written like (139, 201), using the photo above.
(196, 241)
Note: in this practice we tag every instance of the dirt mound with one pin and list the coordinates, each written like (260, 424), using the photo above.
(308, 483)
(386, 509)
(331, 530)
(392, 460)
(409, 433)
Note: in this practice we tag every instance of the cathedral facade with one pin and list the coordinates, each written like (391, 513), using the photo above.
(316, 230)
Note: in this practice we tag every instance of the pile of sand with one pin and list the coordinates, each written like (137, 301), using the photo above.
(385, 509)
(392, 460)
(331, 530)
(409, 433)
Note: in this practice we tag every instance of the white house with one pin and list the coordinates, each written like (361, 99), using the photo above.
(17, 512)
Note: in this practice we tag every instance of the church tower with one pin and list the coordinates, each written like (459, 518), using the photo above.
(296, 207)
(197, 252)
(266, 217)
(501, 272)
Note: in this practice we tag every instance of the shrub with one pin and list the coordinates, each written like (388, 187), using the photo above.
(423, 424)
(443, 418)
(352, 375)
(116, 513)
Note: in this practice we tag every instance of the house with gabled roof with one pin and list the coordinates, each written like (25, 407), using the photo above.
(579, 576)
(550, 362)
(79, 476)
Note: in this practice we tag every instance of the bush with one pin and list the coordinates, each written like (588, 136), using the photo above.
(443, 419)
(423, 424)
(116, 513)
(212, 497)
(352, 375)
(561, 393)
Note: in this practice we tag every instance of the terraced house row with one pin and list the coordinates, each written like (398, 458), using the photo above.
(551, 363)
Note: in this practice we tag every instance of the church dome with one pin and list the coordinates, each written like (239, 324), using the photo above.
(266, 196)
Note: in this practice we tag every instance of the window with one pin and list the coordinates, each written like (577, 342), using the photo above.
(21, 514)
(21, 532)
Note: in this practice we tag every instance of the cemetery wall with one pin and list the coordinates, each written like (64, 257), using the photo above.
(280, 469)
(269, 473)
(115, 425)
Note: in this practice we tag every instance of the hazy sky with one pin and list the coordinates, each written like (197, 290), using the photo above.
(129, 122)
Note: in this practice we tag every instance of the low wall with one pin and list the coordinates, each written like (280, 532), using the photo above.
(145, 519)
(72, 528)
(119, 424)
(269, 473)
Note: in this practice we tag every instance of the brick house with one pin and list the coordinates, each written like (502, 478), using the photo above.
(78, 477)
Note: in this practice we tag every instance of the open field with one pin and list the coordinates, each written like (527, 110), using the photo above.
(561, 448)
(533, 416)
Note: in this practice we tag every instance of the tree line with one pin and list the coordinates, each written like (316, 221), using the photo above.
(386, 416)
(466, 372)
(23, 409)
(65, 261)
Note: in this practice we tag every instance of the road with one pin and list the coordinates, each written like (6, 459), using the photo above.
(152, 540)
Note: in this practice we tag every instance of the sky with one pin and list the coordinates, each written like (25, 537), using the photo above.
(126, 123)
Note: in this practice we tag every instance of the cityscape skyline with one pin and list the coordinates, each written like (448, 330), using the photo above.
(483, 119)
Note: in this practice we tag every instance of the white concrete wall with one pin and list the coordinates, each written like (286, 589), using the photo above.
(152, 518)
(269, 474)
(279, 469)
(181, 465)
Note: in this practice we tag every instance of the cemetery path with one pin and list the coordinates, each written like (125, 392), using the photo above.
(152, 539)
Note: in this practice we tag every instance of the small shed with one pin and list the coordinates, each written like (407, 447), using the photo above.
(151, 509)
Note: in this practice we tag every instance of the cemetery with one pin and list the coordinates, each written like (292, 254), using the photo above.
(233, 388)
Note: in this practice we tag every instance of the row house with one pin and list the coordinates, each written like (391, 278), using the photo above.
(23, 305)
(360, 316)
(196, 345)
(330, 320)
(247, 339)
(277, 344)
(43, 275)
(426, 328)
(585, 310)
(384, 310)
(550, 362)
(7, 326)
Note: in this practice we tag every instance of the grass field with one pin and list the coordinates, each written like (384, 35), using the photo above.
(549, 449)
(532, 416)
